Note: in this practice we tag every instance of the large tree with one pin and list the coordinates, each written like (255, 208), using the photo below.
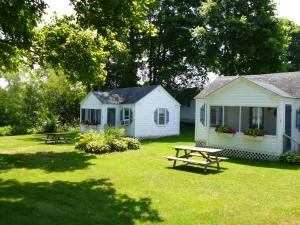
(292, 31)
(164, 55)
(171, 57)
(18, 18)
(80, 53)
(293, 55)
(113, 18)
(241, 37)
(119, 22)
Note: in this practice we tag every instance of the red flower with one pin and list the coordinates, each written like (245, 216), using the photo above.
(232, 131)
(261, 133)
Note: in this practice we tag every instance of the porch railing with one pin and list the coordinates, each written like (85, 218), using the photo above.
(290, 144)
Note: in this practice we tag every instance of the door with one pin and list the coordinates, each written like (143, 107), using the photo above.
(111, 116)
(288, 125)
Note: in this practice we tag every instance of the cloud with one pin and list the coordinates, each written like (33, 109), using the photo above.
(289, 9)
(61, 7)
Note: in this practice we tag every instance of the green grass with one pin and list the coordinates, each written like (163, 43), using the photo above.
(57, 185)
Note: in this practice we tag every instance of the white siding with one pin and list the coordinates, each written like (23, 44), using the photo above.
(91, 102)
(187, 113)
(144, 116)
(267, 144)
(143, 124)
(242, 93)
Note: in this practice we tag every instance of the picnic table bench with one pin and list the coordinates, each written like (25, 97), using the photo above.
(206, 153)
(56, 138)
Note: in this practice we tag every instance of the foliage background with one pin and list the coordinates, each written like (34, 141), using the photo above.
(50, 66)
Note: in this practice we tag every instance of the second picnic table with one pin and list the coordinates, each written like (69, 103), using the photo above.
(55, 138)
(207, 153)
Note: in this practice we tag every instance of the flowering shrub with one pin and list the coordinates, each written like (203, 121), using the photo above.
(6, 131)
(132, 143)
(225, 129)
(254, 132)
(291, 157)
(111, 140)
(119, 145)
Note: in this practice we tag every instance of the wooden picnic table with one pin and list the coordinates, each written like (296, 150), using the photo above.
(207, 153)
(56, 138)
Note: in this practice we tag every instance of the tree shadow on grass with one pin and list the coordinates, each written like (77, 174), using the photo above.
(69, 203)
(265, 164)
(197, 169)
(48, 161)
(40, 141)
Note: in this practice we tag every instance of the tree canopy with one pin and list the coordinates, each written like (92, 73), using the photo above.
(172, 57)
(241, 37)
(18, 18)
(79, 53)
(292, 31)
(122, 43)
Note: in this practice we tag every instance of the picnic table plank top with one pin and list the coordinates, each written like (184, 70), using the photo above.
(197, 149)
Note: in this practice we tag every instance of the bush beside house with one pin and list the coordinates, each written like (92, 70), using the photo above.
(111, 140)
(291, 157)
(6, 131)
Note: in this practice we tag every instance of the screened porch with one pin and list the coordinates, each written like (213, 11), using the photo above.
(241, 118)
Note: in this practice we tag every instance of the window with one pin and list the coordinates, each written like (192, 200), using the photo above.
(91, 116)
(264, 118)
(232, 117)
(161, 116)
(126, 116)
(202, 114)
(298, 119)
(256, 117)
(216, 116)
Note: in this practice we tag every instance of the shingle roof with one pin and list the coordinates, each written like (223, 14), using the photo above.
(283, 84)
(124, 95)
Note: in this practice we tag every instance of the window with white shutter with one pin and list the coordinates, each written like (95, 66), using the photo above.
(161, 116)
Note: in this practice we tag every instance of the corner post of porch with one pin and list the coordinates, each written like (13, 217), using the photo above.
(223, 115)
(240, 119)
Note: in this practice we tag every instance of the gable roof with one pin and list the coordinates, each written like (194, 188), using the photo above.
(124, 95)
(282, 84)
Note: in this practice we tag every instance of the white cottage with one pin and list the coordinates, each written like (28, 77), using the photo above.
(187, 112)
(145, 112)
(270, 102)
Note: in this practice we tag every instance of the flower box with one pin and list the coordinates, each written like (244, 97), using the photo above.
(254, 138)
(226, 135)
(254, 134)
(225, 131)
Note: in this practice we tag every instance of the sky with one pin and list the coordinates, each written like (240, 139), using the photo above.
(285, 8)
(289, 9)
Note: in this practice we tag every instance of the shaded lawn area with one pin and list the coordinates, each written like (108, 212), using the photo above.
(55, 184)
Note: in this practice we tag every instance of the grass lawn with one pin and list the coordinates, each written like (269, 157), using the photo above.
(57, 185)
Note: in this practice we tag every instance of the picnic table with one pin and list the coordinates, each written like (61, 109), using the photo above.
(56, 138)
(208, 154)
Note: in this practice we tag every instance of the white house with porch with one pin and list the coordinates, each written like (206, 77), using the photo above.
(144, 112)
(268, 102)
